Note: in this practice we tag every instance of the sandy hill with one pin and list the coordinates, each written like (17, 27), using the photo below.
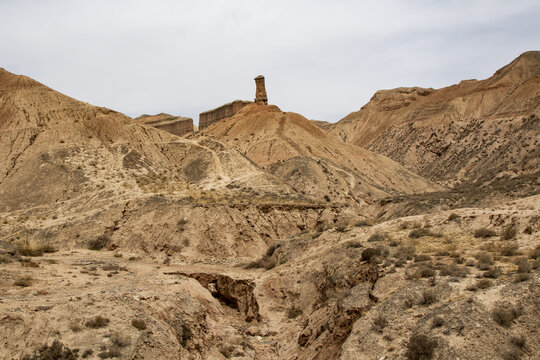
(71, 171)
(473, 131)
(297, 150)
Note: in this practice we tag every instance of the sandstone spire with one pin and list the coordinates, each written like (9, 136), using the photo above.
(260, 92)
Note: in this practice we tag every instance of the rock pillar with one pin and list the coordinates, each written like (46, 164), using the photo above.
(260, 92)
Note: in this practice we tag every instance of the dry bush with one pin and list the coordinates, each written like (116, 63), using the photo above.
(484, 233)
(56, 351)
(227, 351)
(485, 260)
(453, 217)
(405, 252)
(437, 322)
(512, 354)
(97, 322)
(519, 341)
(421, 258)
(509, 232)
(75, 325)
(181, 224)
(528, 230)
(354, 244)
(509, 250)
(535, 253)
(23, 281)
(421, 232)
(138, 324)
(454, 270)
(99, 243)
(504, 314)
(426, 273)
(522, 277)
(378, 236)
(421, 347)
(364, 222)
(293, 312)
(493, 273)
(428, 297)
(370, 253)
(523, 265)
(379, 323)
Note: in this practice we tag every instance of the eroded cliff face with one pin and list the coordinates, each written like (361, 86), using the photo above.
(462, 133)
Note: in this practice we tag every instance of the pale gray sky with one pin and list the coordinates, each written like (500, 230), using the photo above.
(322, 59)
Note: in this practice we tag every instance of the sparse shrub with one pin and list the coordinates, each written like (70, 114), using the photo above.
(536, 264)
(428, 297)
(378, 236)
(139, 324)
(56, 351)
(97, 322)
(427, 273)
(509, 250)
(485, 260)
(484, 233)
(504, 314)
(354, 244)
(87, 353)
(23, 281)
(28, 250)
(518, 341)
(421, 258)
(408, 302)
(437, 322)
(421, 232)
(509, 232)
(227, 351)
(535, 253)
(453, 216)
(181, 224)
(523, 265)
(370, 253)
(293, 312)
(512, 354)
(454, 270)
(483, 283)
(119, 341)
(379, 323)
(99, 243)
(493, 273)
(405, 252)
(75, 325)
(522, 277)
(364, 222)
(420, 347)
(341, 228)
(528, 230)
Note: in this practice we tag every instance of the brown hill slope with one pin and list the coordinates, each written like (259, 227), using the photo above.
(71, 171)
(472, 131)
(282, 140)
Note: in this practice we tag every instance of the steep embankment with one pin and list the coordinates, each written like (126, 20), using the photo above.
(472, 131)
(318, 164)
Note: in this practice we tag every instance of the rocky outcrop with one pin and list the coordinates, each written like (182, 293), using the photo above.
(235, 293)
(209, 117)
(471, 131)
(177, 125)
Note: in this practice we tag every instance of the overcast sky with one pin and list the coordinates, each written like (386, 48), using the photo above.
(322, 59)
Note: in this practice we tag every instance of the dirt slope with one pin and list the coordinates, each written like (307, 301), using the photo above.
(472, 131)
(280, 141)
